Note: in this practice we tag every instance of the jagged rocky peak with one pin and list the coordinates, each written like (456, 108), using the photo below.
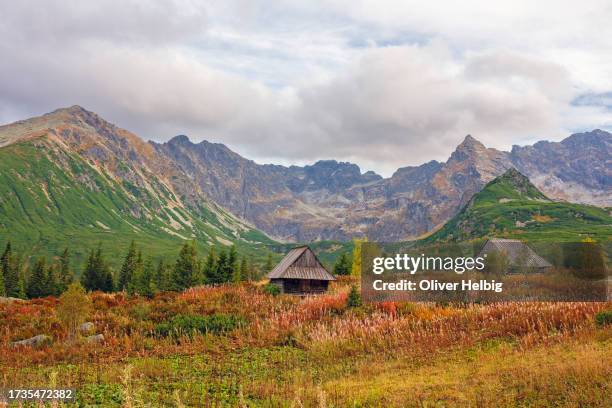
(180, 139)
(204, 145)
(76, 114)
(470, 142)
(426, 167)
(327, 168)
(70, 111)
(75, 126)
(333, 175)
(76, 110)
(514, 176)
(412, 177)
(520, 183)
(467, 149)
(596, 138)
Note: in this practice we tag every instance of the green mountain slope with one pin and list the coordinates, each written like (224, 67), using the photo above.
(510, 206)
(76, 181)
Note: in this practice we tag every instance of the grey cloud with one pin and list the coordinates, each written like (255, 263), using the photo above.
(603, 99)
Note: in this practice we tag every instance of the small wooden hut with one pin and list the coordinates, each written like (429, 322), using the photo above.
(301, 273)
(517, 253)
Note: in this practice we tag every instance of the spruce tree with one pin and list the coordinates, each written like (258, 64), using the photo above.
(342, 266)
(37, 285)
(354, 298)
(51, 280)
(244, 270)
(159, 274)
(128, 268)
(236, 278)
(4, 259)
(22, 287)
(232, 260)
(104, 277)
(108, 284)
(148, 280)
(4, 266)
(66, 276)
(9, 270)
(2, 289)
(165, 273)
(224, 270)
(144, 280)
(210, 267)
(12, 277)
(89, 279)
(135, 274)
(97, 274)
(185, 267)
(199, 277)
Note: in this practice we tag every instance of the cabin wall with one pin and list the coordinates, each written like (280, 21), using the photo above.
(301, 286)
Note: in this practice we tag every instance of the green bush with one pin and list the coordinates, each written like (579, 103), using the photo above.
(603, 318)
(189, 325)
(354, 298)
(272, 289)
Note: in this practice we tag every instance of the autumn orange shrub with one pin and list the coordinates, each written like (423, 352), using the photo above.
(321, 324)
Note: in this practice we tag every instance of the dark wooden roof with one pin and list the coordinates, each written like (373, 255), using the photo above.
(514, 249)
(300, 263)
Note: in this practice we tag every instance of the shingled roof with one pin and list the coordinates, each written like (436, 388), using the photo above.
(300, 263)
(514, 249)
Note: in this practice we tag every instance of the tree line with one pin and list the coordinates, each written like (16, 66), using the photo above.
(138, 274)
(43, 279)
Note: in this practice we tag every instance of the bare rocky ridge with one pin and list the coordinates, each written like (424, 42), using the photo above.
(329, 199)
(578, 169)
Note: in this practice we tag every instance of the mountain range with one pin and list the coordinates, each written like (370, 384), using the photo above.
(334, 200)
(72, 173)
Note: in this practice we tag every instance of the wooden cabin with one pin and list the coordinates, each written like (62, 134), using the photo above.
(301, 273)
(514, 250)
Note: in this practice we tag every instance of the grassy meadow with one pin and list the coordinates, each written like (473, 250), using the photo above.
(237, 346)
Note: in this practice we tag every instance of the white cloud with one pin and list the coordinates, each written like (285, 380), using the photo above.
(381, 83)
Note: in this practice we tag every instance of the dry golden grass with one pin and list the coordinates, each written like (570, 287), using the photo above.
(563, 375)
(542, 218)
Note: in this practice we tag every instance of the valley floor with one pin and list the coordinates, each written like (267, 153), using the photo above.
(316, 352)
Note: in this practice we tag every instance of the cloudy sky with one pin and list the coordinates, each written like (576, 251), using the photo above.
(380, 83)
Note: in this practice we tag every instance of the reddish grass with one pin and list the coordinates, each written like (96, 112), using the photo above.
(320, 324)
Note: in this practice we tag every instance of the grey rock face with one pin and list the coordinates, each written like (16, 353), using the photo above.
(86, 328)
(4, 299)
(96, 338)
(577, 169)
(36, 341)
